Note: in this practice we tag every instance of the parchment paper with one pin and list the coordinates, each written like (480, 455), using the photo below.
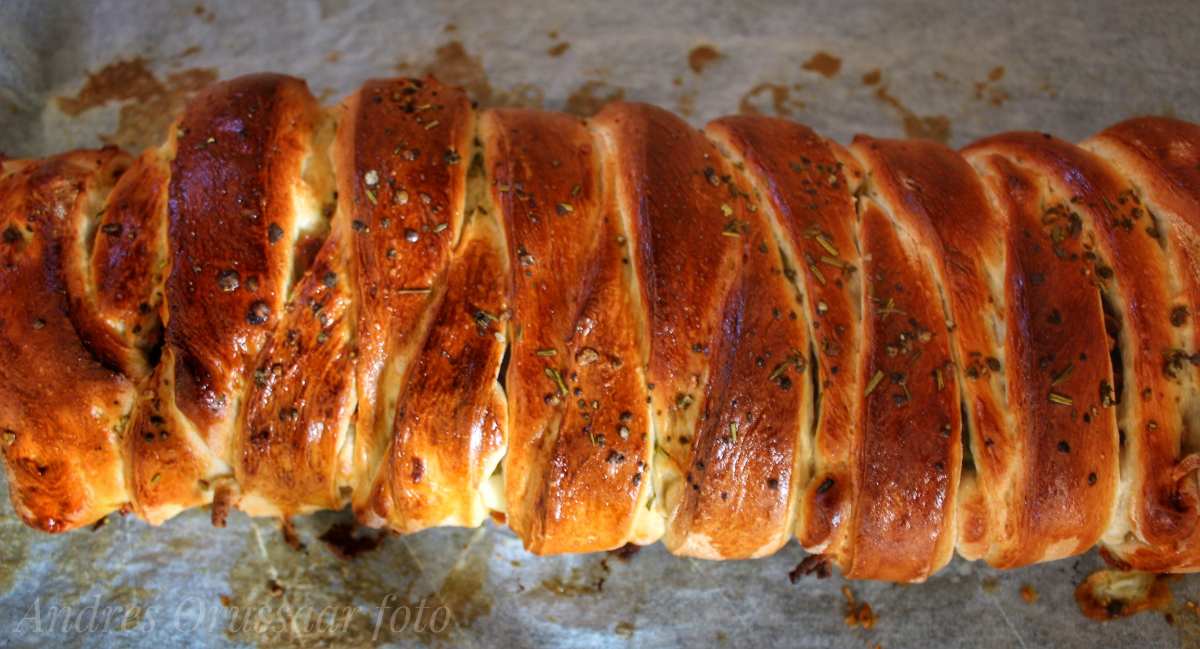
(76, 74)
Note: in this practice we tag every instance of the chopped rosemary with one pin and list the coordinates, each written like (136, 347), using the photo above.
(874, 382)
(556, 376)
(546, 352)
(1062, 376)
(1061, 399)
(826, 244)
(733, 431)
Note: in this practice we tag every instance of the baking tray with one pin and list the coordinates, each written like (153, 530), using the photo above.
(76, 74)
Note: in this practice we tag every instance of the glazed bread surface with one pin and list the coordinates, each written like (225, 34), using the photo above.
(612, 330)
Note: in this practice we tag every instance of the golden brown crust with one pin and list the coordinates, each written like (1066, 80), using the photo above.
(908, 456)
(942, 200)
(803, 182)
(1156, 270)
(1058, 496)
(61, 404)
(239, 148)
(301, 396)
(129, 258)
(936, 200)
(451, 417)
(401, 159)
(578, 451)
(718, 309)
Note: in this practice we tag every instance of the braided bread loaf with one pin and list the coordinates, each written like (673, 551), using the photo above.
(612, 331)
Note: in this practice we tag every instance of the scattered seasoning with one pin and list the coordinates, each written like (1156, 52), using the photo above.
(259, 313)
(733, 432)
(726, 210)
(874, 382)
(825, 485)
(274, 233)
(587, 356)
(431, 125)
(358, 226)
(1063, 446)
(564, 209)
(9, 438)
(556, 376)
(330, 279)
(734, 228)
(228, 281)
(1062, 376)
(111, 229)
(710, 175)
(1060, 399)
(826, 244)
(682, 401)
(371, 197)
(155, 478)
(1092, 478)
(1107, 397)
(371, 178)
(439, 227)
(817, 274)
(452, 157)
(576, 189)
(623, 431)
(937, 379)
(401, 197)
(1179, 316)
(38, 323)
(411, 236)
(546, 352)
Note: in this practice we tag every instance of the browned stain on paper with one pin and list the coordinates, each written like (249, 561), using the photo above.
(987, 90)
(780, 99)
(588, 99)
(686, 104)
(452, 64)
(701, 57)
(931, 127)
(559, 49)
(203, 13)
(150, 104)
(824, 64)
(872, 78)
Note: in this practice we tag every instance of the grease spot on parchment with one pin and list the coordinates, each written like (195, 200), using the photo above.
(589, 98)
(931, 127)
(150, 104)
(824, 64)
(452, 64)
(987, 91)
(367, 600)
(204, 13)
(701, 57)
(686, 103)
(872, 78)
(559, 49)
(781, 103)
